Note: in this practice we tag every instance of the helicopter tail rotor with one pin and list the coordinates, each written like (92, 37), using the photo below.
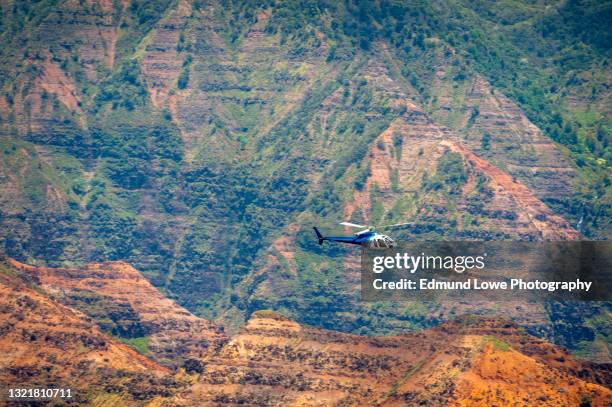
(319, 235)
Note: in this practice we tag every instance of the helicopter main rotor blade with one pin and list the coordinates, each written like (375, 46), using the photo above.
(395, 225)
(353, 225)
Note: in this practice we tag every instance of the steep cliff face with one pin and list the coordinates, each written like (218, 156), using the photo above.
(272, 360)
(201, 140)
(495, 128)
(414, 168)
(275, 361)
(124, 303)
(407, 158)
(46, 344)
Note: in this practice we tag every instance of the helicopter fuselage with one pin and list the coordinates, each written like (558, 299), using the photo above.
(367, 238)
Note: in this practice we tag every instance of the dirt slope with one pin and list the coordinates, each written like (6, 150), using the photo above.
(272, 360)
(47, 344)
(275, 361)
(117, 291)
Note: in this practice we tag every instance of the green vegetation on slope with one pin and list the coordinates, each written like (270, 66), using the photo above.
(200, 134)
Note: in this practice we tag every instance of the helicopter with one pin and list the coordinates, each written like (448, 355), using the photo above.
(368, 237)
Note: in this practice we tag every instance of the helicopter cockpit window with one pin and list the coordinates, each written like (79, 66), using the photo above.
(383, 242)
(380, 242)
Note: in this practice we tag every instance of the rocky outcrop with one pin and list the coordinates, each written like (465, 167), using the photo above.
(162, 61)
(275, 361)
(100, 90)
(549, 225)
(134, 305)
(410, 149)
(517, 143)
(495, 128)
(46, 344)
